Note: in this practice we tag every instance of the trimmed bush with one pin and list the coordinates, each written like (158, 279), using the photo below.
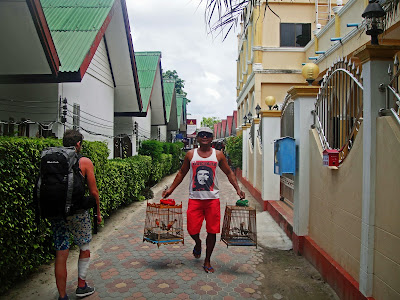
(234, 150)
(23, 246)
(152, 148)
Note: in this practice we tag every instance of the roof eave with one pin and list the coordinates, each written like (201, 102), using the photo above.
(44, 35)
(132, 54)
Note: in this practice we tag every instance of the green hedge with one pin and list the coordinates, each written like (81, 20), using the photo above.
(22, 246)
(234, 150)
(152, 148)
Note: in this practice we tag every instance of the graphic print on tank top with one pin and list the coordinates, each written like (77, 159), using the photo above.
(203, 175)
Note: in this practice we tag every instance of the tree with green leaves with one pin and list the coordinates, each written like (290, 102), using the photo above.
(179, 83)
(209, 122)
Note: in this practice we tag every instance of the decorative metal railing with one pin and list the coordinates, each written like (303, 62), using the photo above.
(287, 129)
(392, 106)
(338, 110)
(252, 134)
(287, 117)
(259, 132)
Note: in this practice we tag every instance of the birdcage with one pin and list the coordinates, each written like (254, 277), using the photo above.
(164, 224)
(239, 226)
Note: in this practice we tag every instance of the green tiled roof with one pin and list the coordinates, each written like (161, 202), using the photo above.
(179, 101)
(169, 86)
(146, 65)
(74, 26)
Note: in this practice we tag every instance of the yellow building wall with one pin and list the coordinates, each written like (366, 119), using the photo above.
(387, 221)
(292, 12)
(279, 91)
(349, 14)
(335, 205)
(283, 60)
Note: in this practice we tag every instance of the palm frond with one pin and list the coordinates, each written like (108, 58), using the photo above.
(224, 15)
(391, 8)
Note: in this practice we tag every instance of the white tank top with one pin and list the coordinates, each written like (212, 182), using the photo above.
(203, 176)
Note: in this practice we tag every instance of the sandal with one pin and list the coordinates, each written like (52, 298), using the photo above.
(208, 269)
(196, 253)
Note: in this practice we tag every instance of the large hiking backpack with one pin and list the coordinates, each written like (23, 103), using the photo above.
(60, 187)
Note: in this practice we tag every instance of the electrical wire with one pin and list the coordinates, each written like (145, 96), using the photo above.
(70, 114)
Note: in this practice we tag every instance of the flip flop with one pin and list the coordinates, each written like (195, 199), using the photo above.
(208, 269)
(196, 253)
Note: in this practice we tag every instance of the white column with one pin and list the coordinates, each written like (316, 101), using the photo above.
(375, 62)
(271, 130)
(256, 164)
(245, 152)
(304, 99)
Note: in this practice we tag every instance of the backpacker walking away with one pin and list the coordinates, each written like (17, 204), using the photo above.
(60, 193)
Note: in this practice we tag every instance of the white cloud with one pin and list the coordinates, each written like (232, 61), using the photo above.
(177, 28)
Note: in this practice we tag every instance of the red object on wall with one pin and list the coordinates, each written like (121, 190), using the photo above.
(331, 158)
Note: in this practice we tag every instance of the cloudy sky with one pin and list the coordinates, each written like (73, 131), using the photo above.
(206, 63)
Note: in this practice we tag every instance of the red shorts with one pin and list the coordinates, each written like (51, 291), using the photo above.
(198, 210)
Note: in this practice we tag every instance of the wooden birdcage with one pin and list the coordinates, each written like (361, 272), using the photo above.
(164, 224)
(239, 226)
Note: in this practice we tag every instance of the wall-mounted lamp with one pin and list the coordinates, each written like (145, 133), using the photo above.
(374, 20)
(244, 120)
(249, 117)
(270, 101)
(310, 71)
(258, 110)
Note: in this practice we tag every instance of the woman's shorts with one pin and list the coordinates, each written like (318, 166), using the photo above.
(198, 210)
(78, 225)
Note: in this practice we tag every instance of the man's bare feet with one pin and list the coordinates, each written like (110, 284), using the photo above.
(207, 267)
(197, 251)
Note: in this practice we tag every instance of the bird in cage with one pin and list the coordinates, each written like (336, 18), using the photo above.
(170, 224)
(243, 230)
(235, 230)
(157, 223)
(163, 226)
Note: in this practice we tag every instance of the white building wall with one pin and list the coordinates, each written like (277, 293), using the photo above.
(100, 67)
(35, 102)
(144, 126)
(95, 95)
(163, 133)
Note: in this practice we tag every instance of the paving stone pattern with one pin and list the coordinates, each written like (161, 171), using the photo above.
(128, 268)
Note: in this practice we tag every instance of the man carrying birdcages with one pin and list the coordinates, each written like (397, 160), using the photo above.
(204, 201)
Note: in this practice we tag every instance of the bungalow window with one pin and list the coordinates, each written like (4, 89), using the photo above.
(295, 34)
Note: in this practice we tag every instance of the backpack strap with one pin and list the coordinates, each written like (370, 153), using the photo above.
(73, 159)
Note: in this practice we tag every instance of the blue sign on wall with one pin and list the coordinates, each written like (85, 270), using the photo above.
(285, 156)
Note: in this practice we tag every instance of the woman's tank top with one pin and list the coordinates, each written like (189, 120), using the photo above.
(203, 176)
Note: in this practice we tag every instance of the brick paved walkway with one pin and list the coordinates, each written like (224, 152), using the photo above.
(127, 268)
